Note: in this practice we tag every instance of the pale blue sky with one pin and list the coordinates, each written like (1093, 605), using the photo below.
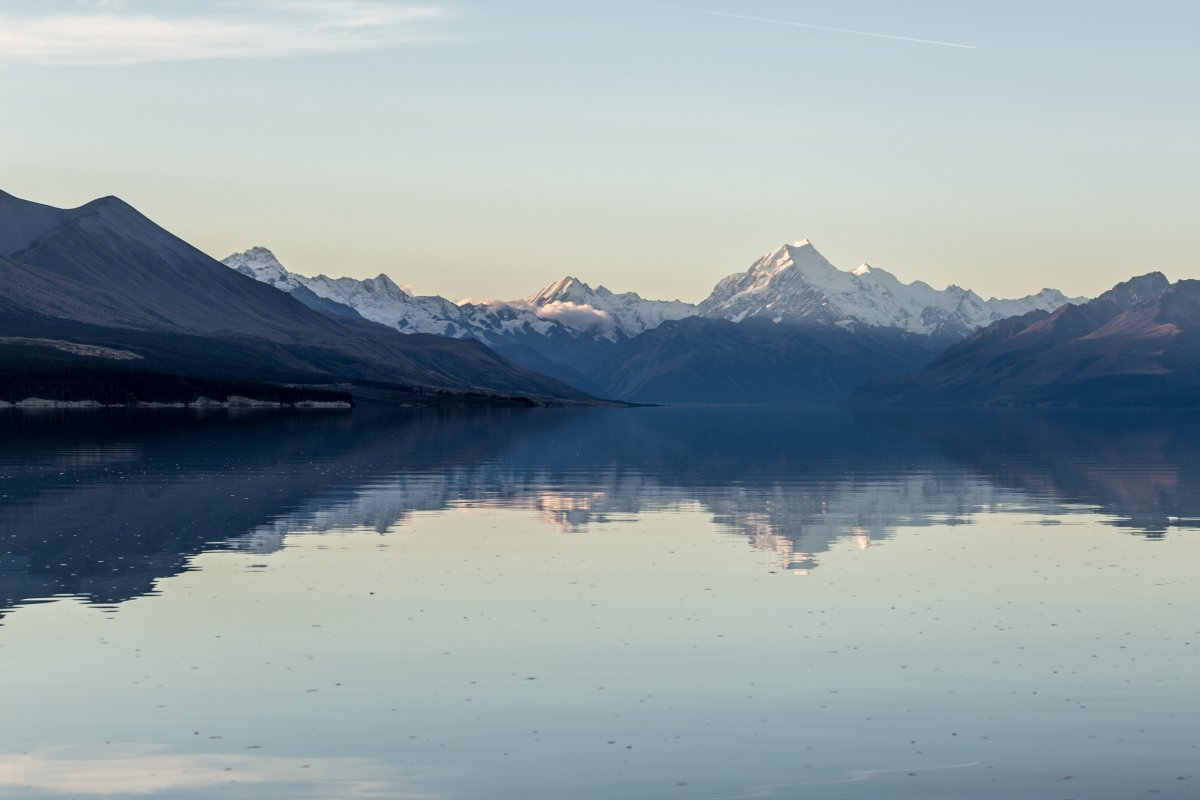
(488, 148)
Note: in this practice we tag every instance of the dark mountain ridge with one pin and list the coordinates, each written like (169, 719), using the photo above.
(1135, 345)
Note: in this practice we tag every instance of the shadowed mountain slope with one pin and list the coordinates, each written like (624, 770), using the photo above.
(1136, 345)
(699, 360)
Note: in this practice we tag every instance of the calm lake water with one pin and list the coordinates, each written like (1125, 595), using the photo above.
(669, 604)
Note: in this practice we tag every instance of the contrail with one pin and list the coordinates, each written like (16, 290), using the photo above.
(800, 25)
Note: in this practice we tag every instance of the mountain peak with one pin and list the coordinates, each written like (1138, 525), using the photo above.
(799, 244)
(569, 289)
(258, 256)
(109, 203)
(798, 252)
(795, 283)
(261, 264)
(384, 281)
(1135, 290)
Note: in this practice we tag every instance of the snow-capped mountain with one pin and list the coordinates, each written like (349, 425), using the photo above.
(795, 283)
(791, 284)
(627, 313)
(262, 265)
(568, 307)
(846, 327)
(380, 299)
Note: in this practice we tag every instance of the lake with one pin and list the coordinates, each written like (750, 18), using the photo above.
(674, 604)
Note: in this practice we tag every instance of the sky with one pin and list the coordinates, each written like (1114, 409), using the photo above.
(486, 149)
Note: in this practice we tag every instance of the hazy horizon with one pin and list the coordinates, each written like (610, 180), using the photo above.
(487, 150)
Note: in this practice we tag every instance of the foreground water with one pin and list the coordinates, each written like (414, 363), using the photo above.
(648, 603)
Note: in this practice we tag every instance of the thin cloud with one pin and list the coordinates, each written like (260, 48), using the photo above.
(791, 24)
(579, 316)
(114, 33)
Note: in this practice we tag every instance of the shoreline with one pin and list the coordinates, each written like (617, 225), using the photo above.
(200, 403)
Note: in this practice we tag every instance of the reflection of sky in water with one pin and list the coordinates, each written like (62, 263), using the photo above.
(130, 770)
(478, 654)
(550, 615)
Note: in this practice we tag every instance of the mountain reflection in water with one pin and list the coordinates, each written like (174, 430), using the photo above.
(101, 505)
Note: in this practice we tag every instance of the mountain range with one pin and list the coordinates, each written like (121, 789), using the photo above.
(106, 277)
(793, 284)
(792, 328)
(100, 304)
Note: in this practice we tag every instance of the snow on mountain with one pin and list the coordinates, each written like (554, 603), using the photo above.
(569, 306)
(381, 300)
(795, 283)
(262, 265)
(499, 318)
(574, 303)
